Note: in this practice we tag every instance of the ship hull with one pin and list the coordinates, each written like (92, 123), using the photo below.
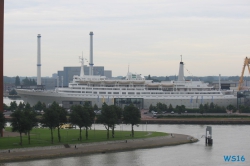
(189, 101)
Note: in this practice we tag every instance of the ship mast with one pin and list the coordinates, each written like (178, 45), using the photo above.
(82, 66)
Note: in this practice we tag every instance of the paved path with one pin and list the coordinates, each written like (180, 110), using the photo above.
(91, 148)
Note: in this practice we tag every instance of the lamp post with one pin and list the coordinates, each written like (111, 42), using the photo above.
(122, 129)
(94, 128)
(67, 135)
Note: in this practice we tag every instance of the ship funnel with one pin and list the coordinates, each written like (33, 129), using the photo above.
(181, 71)
(39, 59)
(91, 54)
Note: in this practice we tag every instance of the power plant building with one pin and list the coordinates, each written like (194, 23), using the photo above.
(67, 74)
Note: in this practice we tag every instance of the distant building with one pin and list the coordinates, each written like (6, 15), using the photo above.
(66, 76)
(243, 98)
(49, 83)
(54, 75)
(226, 85)
(8, 87)
(108, 73)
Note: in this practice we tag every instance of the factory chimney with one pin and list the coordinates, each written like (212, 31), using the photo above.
(91, 54)
(39, 59)
(181, 71)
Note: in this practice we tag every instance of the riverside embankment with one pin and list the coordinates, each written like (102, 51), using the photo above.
(196, 121)
(93, 148)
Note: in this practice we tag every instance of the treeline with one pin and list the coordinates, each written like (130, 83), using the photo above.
(26, 82)
(244, 109)
(13, 106)
(24, 118)
(206, 108)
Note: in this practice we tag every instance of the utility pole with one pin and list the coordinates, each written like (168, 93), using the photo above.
(1, 53)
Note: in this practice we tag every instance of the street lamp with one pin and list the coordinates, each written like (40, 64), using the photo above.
(67, 135)
(94, 128)
(122, 129)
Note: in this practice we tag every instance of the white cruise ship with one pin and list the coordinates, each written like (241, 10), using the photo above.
(133, 89)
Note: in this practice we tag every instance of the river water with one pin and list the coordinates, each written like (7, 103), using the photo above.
(230, 140)
(7, 100)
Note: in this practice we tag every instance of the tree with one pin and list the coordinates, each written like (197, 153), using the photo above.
(26, 82)
(108, 117)
(170, 107)
(21, 106)
(61, 119)
(95, 107)
(211, 106)
(76, 119)
(231, 108)
(13, 92)
(30, 114)
(17, 81)
(39, 106)
(131, 115)
(118, 111)
(19, 123)
(201, 107)
(34, 82)
(2, 122)
(151, 108)
(178, 109)
(88, 117)
(13, 105)
(206, 107)
(159, 107)
(50, 119)
(165, 107)
(5, 107)
(183, 108)
(149, 77)
(82, 116)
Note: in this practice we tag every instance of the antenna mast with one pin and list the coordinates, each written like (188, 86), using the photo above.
(82, 65)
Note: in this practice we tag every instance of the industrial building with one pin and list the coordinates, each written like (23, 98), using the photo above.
(225, 85)
(243, 98)
(67, 74)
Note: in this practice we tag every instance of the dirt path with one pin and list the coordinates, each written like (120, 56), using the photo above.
(91, 148)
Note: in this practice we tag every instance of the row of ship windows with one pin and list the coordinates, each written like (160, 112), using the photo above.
(109, 88)
(193, 102)
(138, 93)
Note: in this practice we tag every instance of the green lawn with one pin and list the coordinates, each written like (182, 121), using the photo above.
(42, 137)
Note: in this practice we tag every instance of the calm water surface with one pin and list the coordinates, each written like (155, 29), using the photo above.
(7, 100)
(228, 140)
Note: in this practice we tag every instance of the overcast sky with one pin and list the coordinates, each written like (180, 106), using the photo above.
(149, 35)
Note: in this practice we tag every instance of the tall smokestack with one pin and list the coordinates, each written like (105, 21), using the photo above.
(38, 59)
(181, 71)
(91, 54)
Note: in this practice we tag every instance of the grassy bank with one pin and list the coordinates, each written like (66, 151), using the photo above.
(41, 137)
